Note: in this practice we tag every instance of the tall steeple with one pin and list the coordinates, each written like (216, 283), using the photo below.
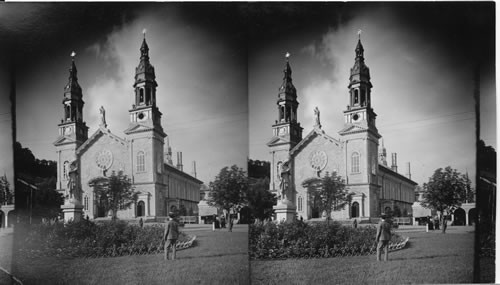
(287, 126)
(73, 131)
(287, 132)
(145, 132)
(72, 124)
(145, 79)
(359, 110)
(144, 110)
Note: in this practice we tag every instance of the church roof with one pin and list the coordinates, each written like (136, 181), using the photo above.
(389, 171)
(101, 131)
(182, 173)
(312, 134)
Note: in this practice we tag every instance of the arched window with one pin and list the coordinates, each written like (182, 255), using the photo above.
(140, 209)
(299, 203)
(355, 162)
(140, 162)
(86, 203)
(374, 165)
(65, 170)
(141, 95)
(355, 210)
(363, 97)
(148, 96)
(356, 97)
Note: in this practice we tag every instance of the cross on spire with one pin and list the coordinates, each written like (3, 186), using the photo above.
(359, 33)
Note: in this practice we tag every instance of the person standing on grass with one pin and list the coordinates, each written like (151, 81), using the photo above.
(230, 223)
(383, 238)
(170, 236)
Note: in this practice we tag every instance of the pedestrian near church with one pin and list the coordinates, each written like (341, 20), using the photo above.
(383, 237)
(171, 235)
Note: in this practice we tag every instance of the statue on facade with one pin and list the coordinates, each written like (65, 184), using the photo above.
(103, 116)
(317, 122)
(284, 181)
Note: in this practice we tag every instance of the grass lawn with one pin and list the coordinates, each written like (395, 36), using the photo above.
(428, 258)
(217, 258)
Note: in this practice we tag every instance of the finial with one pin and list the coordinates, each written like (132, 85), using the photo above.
(287, 55)
(359, 34)
(144, 32)
(73, 53)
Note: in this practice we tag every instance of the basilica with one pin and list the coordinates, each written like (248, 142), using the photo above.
(357, 154)
(143, 153)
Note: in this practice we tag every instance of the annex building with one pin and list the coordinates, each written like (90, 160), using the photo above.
(357, 153)
(141, 153)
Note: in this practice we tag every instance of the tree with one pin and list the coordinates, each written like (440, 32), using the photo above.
(327, 194)
(260, 199)
(258, 168)
(444, 192)
(228, 190)
(47, 201)
(115, 192)
(470, 194)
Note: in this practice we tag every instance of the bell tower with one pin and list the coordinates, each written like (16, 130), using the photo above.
(73, 131)
(287, 132)
(144, 110)
(361, 137)
(146, 134)
(359, 110)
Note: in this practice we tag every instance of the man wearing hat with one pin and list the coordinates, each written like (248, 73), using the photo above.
(383, 237)
(171, 234)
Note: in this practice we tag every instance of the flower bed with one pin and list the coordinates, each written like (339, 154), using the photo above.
(302, 240)
(88, 239)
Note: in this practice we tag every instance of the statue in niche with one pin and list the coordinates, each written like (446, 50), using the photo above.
(284, 181)
(103, 116)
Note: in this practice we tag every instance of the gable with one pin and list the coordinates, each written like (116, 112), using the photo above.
(349, 129)
(101, 134)
(277, 141)
(137, 128)
(315, 134)
(64, 140)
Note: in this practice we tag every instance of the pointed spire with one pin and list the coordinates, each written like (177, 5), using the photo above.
(359, 49)
(145, 70)
(287, 86)
(73, 85)
(144, 48)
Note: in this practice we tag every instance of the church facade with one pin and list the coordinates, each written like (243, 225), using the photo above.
(356, 154)
(141, 154)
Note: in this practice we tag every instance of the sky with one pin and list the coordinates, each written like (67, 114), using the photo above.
(421, 57)
(200, 66)
(219, 67)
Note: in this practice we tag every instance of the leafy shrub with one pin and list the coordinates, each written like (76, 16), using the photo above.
(89, 239)
(308, 240)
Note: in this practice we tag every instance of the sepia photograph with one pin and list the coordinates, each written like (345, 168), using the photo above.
(367, 116)
(248, 143)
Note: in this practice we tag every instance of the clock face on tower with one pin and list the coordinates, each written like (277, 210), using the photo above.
(68, 130)
(355, 117)
(142, 116)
